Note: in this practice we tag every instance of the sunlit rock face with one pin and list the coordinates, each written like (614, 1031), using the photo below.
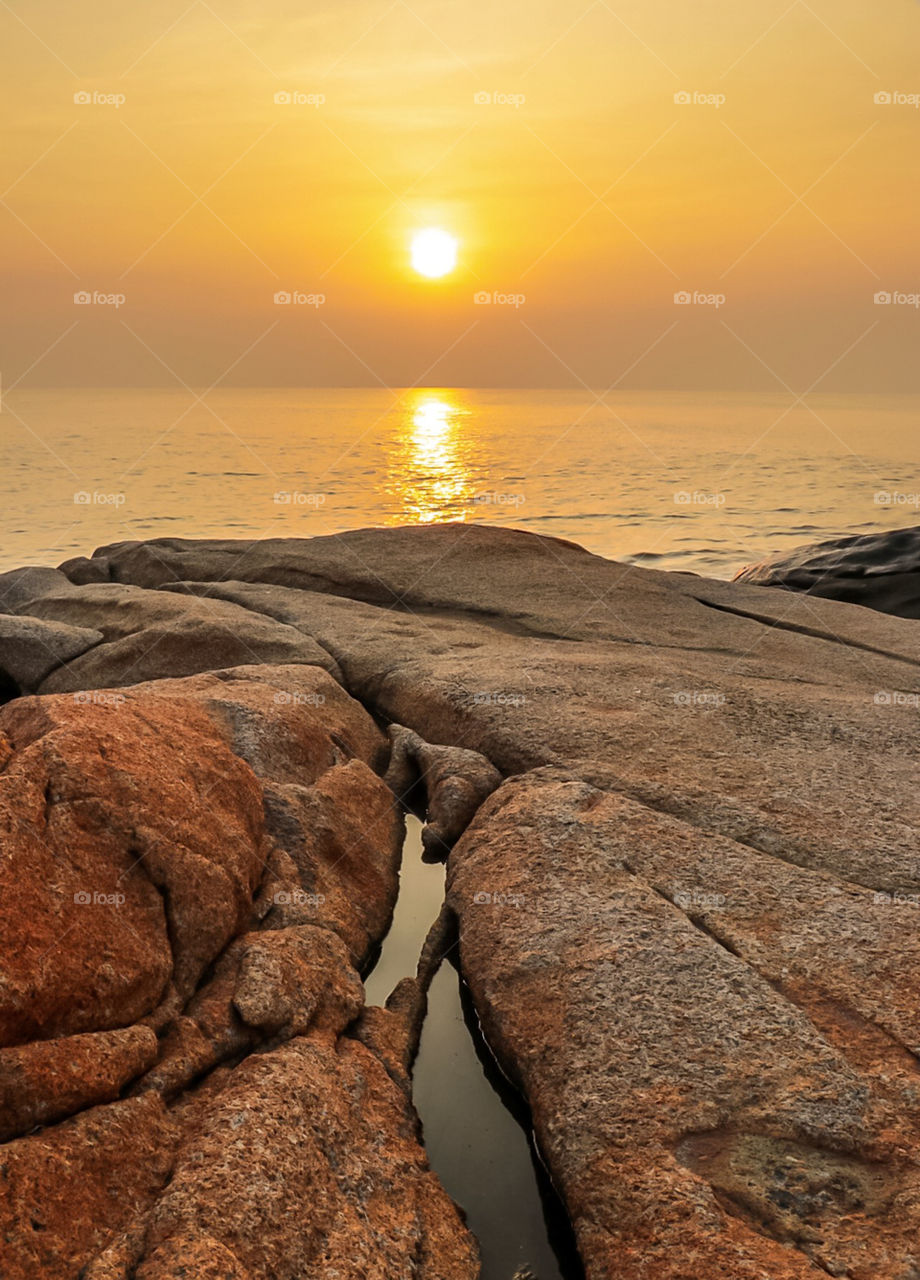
(680, 818)
(878, 570)
(193, 872)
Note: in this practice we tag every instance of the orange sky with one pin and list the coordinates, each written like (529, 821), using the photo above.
(581, 189)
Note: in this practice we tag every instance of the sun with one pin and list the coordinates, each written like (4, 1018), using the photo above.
(434, 252)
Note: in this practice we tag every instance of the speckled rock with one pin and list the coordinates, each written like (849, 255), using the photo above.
(48, 1079)
(68, 1191)
(307, 1162)
(134, 842)
(148, 879)
(685, 918)
(711, 1089)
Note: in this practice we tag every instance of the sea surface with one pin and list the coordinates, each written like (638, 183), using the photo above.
(701, 482)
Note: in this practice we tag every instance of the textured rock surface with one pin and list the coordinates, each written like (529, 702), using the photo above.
(31, 648)
(879, 570)
(453, 780)
(192, 871)
(713, 1085)
(148, 636)
(48, 1079)
(686, 917)
(307, 1162)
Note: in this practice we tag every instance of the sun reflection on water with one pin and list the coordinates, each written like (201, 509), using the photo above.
(430, 465)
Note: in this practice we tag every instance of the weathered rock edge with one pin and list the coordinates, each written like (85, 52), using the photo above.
(194, 872)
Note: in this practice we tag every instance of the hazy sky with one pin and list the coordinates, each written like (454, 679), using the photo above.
(581, 188)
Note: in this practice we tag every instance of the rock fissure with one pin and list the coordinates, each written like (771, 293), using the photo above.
(798, 628)
(659, 830)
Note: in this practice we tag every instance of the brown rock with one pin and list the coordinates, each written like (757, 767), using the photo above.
(344, 837)
(455, 782)
(654, 1043)
(30, 649)
(50, 1079)
(19, 586)
(151, 635)
(686, 958)
(70, 1191)
(313, 1134)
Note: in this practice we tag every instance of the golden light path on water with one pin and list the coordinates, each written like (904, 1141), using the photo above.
(430, 474)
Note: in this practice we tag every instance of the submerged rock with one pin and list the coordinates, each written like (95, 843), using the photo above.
(878, 570)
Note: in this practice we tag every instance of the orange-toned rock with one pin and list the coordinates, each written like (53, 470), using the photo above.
(133, 843)
(307, 1162)
(208, 860)
(48, 1079)
(711, 1087)
(344, 839)
(67, 1192)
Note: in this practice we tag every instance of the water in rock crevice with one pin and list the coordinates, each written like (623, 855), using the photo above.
(476, 1126)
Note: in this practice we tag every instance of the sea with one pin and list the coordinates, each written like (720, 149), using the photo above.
(702, 482)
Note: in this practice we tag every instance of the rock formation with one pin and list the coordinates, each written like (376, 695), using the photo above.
(194, 871)
(680, 818)
(878, 570)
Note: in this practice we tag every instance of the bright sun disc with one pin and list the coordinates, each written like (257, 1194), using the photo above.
(434, 252)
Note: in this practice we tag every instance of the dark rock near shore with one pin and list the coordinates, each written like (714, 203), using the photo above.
(878, 570)
(685, 915)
